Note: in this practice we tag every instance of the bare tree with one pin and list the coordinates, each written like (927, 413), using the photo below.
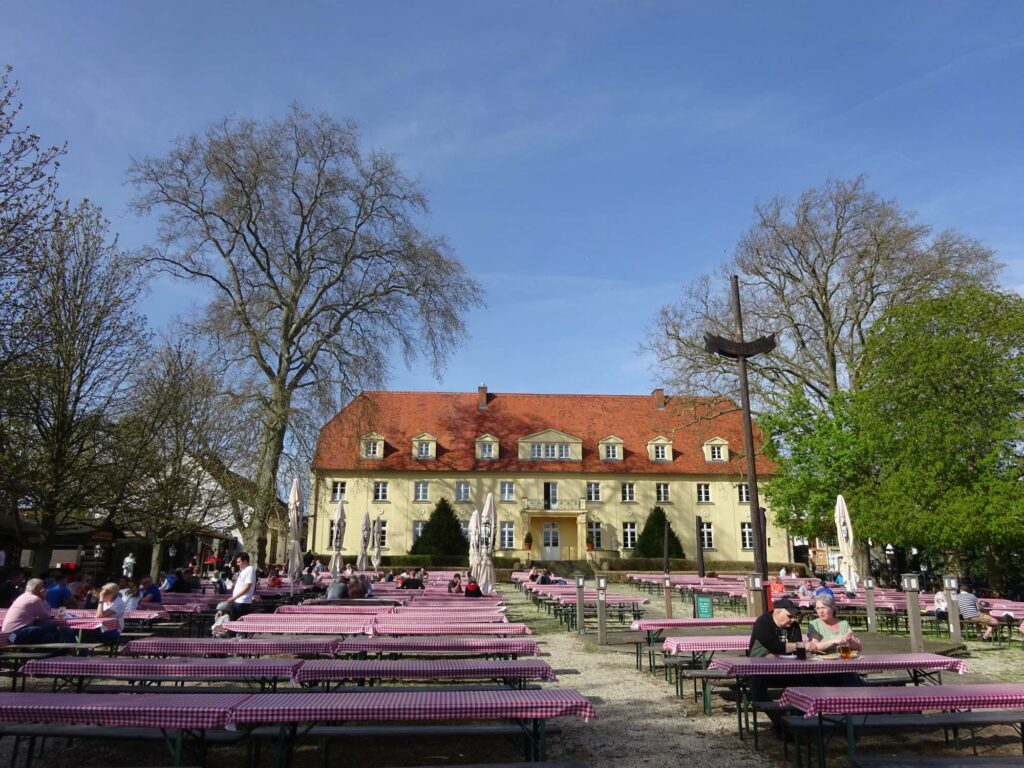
(318, 268)
(27, 197)
(176, 415)
(817, 272)
(66, 394)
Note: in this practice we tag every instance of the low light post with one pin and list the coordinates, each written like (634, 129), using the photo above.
(951, 585)
(668, 596)
(581, 581)
(755, 594)
(172, 551)
(912, 589)
(602, 629)
(869, 595)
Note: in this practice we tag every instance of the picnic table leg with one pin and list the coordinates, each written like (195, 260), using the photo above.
(821, 742)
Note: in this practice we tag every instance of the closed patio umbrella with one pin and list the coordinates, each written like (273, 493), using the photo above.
(844, 532)
(295, 563)
(488, 525)
(364, 543)
(474, 542)
(375, 557)
(339, 537)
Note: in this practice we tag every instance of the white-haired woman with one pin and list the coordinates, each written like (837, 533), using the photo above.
(827, 632)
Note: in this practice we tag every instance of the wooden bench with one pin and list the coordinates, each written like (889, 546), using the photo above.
(972, 721)
(935, 762)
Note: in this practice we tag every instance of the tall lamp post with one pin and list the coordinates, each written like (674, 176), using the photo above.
(740, 350)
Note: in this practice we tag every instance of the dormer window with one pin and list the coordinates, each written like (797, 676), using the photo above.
(611, 449)
(551, 445)
(372, 446)
(716, 449)
(424, 447)
(659, 449)
(487, 447)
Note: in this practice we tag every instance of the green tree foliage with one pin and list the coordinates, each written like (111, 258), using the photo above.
(442, 535)
(651, 541)
(816, 457)
(938, 420)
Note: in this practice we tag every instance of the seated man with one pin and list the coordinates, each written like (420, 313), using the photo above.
(774, 634)
(242, 592)
(59, 596)
(339, 589)
(149, 593)
(29, 621)
(411, 583)
(967, 603)
(806, 589)
(455, 585)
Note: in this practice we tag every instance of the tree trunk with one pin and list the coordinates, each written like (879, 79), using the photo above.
(155, 560)
(271, 445)
(41, 559)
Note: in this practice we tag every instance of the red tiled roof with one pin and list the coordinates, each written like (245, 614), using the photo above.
(456, 419)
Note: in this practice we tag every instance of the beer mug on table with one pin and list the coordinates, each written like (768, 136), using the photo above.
(845, 652)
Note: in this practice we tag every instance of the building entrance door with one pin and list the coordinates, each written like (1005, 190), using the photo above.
(550, 549)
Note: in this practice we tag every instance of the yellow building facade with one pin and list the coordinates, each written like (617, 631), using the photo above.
(573, 476)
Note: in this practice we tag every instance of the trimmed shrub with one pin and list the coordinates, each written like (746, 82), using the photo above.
(442, 535)
(651, 541)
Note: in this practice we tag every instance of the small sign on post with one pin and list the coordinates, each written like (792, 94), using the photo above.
(668, 597)
(602, 628)
(912, 588)
(580, 582)
(705, 608)
(869, 594)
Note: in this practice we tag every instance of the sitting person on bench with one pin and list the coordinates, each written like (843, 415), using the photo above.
(969, 611)
(775, 633)
(242, 592)
(827, 632)
(112, 606)
(28, 621)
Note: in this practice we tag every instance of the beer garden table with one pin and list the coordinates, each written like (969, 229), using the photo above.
(440, 644)
(183, 646)
(512, 673)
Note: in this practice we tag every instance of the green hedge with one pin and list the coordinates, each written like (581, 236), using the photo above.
(427, 561)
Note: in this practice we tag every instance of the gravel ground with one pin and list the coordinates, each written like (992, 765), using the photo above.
(640, 721)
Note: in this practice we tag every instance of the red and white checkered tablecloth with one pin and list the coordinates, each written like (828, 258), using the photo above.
(498, 646)
(184, 646)
(673, 645)
(345, 610)
(298, 627)
(650, 625)
(439, 616)
(412, 705)
(87, 622)
(770, 665)
(843, 701)
(130, 710)
(148, 614)
(185, 607)
(384, 626)
(421, 669)
(127, 668)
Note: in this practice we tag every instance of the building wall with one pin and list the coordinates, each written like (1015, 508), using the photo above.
(725, 511)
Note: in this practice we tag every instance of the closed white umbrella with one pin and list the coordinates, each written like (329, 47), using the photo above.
(474, 542)
(844, 532)
(488, 525)
(375, 557)
(339, 538)
(364, 543)
(294, 564)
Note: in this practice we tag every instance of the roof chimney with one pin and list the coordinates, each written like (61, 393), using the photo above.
(659, 398)
(481, 396)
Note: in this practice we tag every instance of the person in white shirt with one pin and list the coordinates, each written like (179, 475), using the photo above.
(941, 605)
(242, 592)
(111, 606)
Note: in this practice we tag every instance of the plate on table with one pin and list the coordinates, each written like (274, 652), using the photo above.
(787, 656)
(833, 656)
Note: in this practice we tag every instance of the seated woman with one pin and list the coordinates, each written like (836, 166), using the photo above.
(827, 632)
(778, 589)
(472, 589)
(111, 606)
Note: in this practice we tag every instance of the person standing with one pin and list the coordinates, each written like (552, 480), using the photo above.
(128, 566)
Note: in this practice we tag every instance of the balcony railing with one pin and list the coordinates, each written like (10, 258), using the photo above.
(560, 504)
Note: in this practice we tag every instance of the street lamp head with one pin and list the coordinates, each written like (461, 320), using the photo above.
(911, 582)
(950, 582)
(869, 583)
(602, 582)
(581, 580)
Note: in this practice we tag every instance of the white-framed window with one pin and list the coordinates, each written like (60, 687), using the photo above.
(707, 536)
(611, 451)
(628, 535)
(629, 492)
(549, 450)
(464, 525)
(661, 492)
(563, 451)
(593, 491)
(422, 450)
(703, 493)
(486, 450)
(535, 450)
(417, 528)
(421, 490)
(744, 493)
(330, 534)
(506, 535)
(462, 490)
(383, 534)
(747, 535)
(594, 534)
(371, 449)
(338, 490)
(508, 490)
(661, 453)
(380, 490)
(717, 453)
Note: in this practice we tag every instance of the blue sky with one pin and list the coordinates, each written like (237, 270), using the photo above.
(585, 159)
